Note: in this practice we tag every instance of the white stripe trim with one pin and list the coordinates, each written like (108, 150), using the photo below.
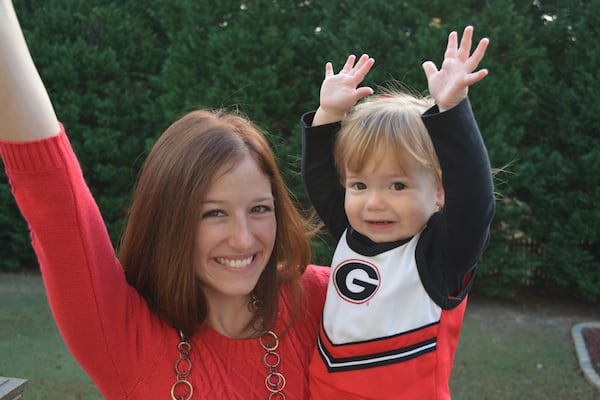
(374, 359)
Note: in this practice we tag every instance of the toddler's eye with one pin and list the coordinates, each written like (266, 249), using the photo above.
(398, 186)
(358, 186)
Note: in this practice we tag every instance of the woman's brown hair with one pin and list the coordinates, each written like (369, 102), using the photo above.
(158, 243)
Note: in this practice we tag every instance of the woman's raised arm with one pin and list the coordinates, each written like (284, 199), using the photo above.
(26, 112)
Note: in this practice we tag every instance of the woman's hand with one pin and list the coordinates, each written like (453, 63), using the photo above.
(25, 109)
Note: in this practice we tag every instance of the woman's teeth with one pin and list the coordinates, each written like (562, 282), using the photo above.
(235, 263)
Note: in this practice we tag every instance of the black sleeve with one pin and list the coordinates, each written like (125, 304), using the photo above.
(320, 175)
(456, 237)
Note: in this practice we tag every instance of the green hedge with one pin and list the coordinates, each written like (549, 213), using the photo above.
(119, 72)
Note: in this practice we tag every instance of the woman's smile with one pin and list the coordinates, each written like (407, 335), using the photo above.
(235, 262)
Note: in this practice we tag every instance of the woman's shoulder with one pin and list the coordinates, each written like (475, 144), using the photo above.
(315, 275)
(314, 284)
(314, 289)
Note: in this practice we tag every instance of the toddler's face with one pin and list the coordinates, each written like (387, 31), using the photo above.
(386, 202)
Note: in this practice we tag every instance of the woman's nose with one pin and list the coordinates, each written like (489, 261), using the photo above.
(241, 237)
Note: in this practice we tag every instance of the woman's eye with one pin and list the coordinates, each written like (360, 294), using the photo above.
(261, 209)
(213, 214)
(398, 186)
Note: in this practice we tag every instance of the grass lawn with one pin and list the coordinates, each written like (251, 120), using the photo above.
(31, 347)
(519, 350)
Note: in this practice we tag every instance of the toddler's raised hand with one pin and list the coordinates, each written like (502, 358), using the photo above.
(339, 92)
(450, 85)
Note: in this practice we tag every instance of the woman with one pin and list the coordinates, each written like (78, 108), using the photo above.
(212, 302)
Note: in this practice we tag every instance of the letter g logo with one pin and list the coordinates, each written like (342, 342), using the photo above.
(356, 281)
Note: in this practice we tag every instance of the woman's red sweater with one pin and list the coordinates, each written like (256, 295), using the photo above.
(126, 349)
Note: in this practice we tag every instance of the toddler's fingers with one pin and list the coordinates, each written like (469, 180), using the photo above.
(361, 61)
(478, 54)
(328, 70)
(452, 47)
(465, 42)
(475, 77)
(364, 68)
(349, 63)
(429, 68)
(363, 91)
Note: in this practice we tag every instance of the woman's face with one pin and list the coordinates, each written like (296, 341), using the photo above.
(236, 230)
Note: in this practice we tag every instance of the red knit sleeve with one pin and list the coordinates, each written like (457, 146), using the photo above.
(101, 318)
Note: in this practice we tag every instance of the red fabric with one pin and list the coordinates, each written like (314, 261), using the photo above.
(424, 377)
(124, 347)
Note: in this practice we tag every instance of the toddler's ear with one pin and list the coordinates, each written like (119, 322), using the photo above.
(440, 197)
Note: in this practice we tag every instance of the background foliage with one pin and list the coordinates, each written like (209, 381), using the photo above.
(119, 72)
